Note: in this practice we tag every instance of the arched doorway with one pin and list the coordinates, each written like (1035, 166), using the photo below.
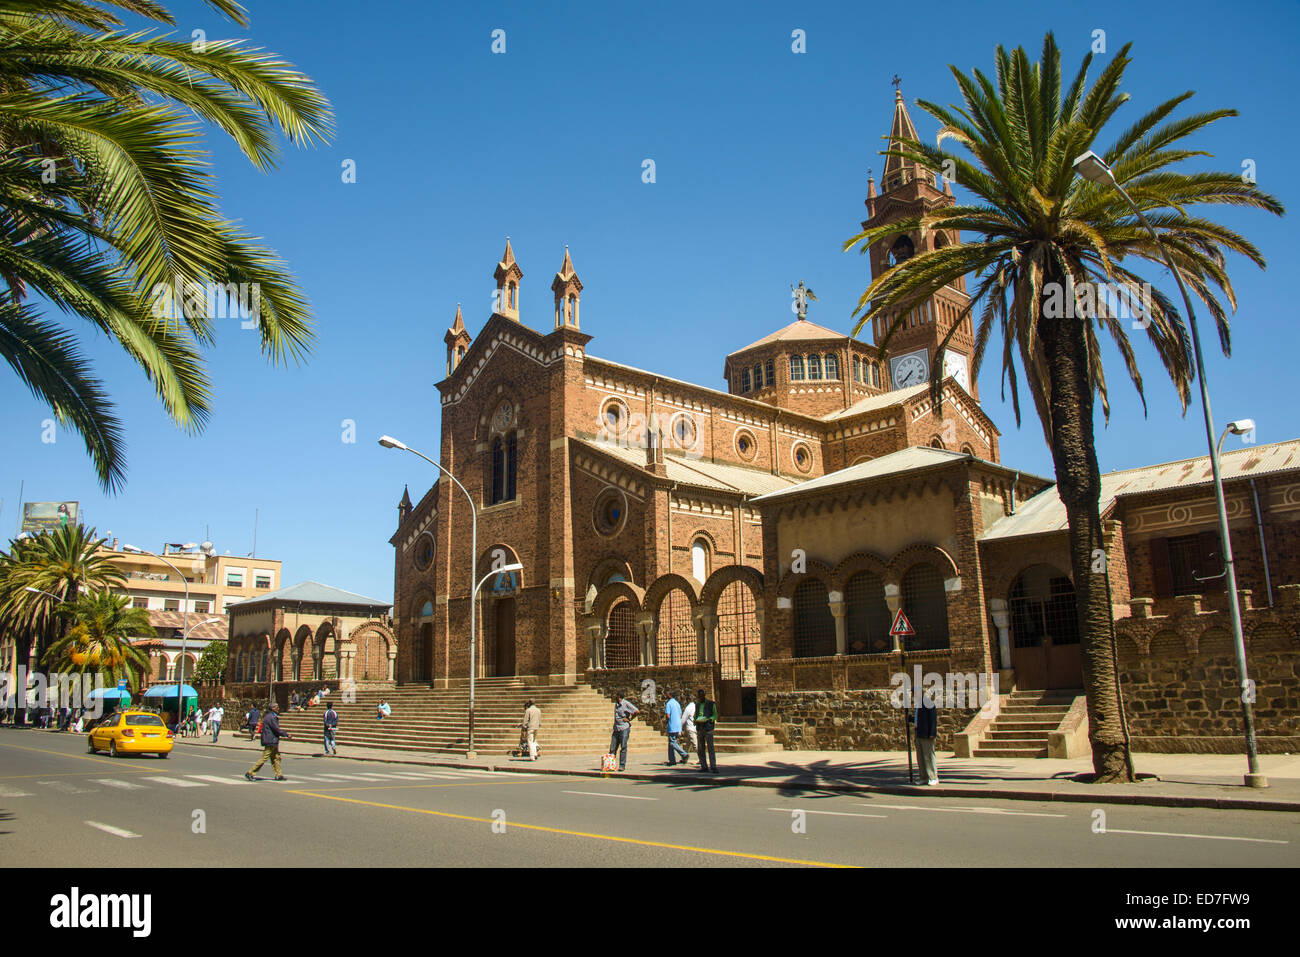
(505, 638)
(739, 648)
(620, 640)
(1044, 630)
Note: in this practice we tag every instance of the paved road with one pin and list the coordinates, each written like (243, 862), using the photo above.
(60, 806)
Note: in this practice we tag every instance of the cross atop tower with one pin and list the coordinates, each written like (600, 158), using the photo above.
(896, 81)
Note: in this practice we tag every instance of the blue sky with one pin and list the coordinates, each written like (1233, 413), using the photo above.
(761, 162)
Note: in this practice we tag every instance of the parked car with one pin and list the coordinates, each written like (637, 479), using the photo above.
(131, 732)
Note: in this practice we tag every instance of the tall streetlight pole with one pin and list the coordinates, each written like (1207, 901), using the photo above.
(388, 442)
(1093, 168)
(185, 624)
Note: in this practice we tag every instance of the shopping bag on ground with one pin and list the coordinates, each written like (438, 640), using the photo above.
(609, 762)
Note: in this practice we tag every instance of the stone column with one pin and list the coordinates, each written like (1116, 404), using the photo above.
(761, 617)
(837, 612)
(295, 662)
(645, 626)
(893, 601)
(706, 632)
(596, 643)
(392, 662)
(1002, 621)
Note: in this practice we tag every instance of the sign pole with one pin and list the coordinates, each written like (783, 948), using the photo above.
(900, 629)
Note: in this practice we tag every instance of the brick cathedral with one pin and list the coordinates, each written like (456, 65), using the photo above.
(758, 541)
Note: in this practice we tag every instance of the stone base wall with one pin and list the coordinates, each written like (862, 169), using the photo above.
(628, 682)
(860, 720)
(1179, 677)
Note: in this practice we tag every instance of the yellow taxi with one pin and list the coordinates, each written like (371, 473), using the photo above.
(130, 732)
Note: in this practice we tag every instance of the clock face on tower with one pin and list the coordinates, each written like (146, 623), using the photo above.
(909, 370)
(505, 415)
(954, 364)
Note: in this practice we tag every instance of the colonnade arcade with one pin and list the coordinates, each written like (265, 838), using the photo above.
(367, 653)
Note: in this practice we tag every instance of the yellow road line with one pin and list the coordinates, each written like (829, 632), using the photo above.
(558, 830)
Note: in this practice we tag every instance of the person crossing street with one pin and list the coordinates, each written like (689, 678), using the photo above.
(271, 735)
(706, 717)
(331, 723)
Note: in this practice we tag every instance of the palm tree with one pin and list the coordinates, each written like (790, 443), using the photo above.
(108, 210)
(60, 563)
(99, 639)
(1044, 237)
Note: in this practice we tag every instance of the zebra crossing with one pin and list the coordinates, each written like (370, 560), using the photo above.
(164, 782)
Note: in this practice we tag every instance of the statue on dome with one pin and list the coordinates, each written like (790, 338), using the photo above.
(801, 294)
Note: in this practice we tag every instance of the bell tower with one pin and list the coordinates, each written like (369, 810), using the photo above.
(568, 294)
(908, 191)
(508, 275)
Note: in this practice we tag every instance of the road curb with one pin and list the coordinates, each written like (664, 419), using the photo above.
(801, 784)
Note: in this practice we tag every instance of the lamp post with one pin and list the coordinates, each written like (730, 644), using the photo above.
(1093, 168)
(388, 442)
(185, 624)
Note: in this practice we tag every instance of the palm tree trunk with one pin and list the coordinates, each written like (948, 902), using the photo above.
(1078, 479)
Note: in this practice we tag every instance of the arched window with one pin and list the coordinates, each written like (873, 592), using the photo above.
(796, 369)
(832, 366)
(770, 372)
(513, 289)
(700, 560)
(936, 443)
(814, 625)
(1042, 606)
(505, 456)
(875, 375)
(814, 366)
(866, 616)
(758, 376)
(675, 640)
(744, 379)
(621, 641)
(901, 251)
(926, 605)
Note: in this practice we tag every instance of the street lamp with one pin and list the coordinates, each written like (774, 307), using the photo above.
(388, 442)
(185, 622)
(1093, 168)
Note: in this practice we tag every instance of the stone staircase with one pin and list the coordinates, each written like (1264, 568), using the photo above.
(742, 735)
(1023, 724)
(576, 719)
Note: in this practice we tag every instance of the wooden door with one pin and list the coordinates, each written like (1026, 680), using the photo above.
(505, 656)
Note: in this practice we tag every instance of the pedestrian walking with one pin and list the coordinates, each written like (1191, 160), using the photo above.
(706, 718)
(688, 728)
(624, 712)
(532, 723)
(253, 717)
(215, 715)
(331, 723)
(271, 735)
(673, 709)
(927, 729)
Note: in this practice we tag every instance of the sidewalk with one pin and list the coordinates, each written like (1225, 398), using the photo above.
(1168, 780)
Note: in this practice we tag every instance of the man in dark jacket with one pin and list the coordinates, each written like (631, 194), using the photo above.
(252, 718)
(271, 735)
(927, 729)
(331, 723)
(706, 719)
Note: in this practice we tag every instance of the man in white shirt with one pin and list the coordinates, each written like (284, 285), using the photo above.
(688, 726)
(215, 714)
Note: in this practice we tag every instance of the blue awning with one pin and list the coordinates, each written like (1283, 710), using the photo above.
(169, 691)
(109, 693)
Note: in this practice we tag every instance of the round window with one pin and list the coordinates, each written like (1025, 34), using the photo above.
(746, 445)
(803, 459)
(613, 417)
(609, 511)
(424, 551)
(684, 433)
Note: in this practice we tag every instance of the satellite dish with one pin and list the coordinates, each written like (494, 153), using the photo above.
(206, 548)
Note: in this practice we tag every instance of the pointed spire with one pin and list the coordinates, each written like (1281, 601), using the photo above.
(947, 186)
(898, 170)
(568, 292)
(871, 186)
(406, 498)
(458, 324)
(507, 276)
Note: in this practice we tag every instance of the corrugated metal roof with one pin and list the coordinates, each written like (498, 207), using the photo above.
(176, 620)
(314, 593)
(703, 474)
(882, 401)
(1045, 512)
(798, 330)
(904, 460)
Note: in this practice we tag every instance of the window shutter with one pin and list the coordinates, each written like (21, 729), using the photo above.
(1162, 579)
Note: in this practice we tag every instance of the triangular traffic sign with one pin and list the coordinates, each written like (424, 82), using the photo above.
(901, 625)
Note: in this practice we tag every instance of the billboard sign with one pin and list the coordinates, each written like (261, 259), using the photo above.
(42, 516)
